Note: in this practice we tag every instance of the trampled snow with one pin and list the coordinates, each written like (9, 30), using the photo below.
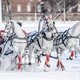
(71, 72)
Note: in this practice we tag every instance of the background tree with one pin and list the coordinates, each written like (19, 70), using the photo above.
(57, 6)
(8, 3)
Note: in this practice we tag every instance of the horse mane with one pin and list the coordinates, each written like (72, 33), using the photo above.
(75, 25)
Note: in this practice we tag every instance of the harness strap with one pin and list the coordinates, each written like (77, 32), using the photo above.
(7, 53)
(38, 43)
(62, 38)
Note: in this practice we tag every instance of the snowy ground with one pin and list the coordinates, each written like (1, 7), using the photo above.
(71, 72)
(58, 75)
(30, 26)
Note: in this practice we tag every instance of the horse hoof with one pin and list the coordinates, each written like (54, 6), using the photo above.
(71, 58)
(29, 63)
(48, 65)
(45, 70)
(63, 69)
(67, 58)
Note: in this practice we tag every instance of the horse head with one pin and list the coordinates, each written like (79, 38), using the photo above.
(48, 31)
(9, 29)
(13, 28)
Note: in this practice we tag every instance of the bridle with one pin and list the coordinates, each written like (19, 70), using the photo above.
(10, 26)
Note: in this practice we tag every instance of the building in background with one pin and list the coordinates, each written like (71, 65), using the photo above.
(34, 9)
(21, 9)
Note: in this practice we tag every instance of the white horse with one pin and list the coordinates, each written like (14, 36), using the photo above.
(43, 42)
(18, 39)
(66, 40)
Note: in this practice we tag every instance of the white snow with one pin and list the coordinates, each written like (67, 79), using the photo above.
(40, 75)
(71, 72)
(30, 26)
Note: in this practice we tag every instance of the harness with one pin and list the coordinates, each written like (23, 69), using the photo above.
(63, 37)
(8, 52)
(46, 38)
(32, 37)
(9, 37)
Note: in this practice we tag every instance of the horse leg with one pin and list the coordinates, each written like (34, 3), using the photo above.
(47, 60)
(62, 66)
(37, 56)
(30, 57)
(20, 62)
(0, 50)
(59, 62)
(31, 50)
(39, 59)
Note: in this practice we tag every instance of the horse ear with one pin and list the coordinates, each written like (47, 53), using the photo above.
(12, 23)
(7, 21)
(53, 22)
(43, 34)
(20, 24)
